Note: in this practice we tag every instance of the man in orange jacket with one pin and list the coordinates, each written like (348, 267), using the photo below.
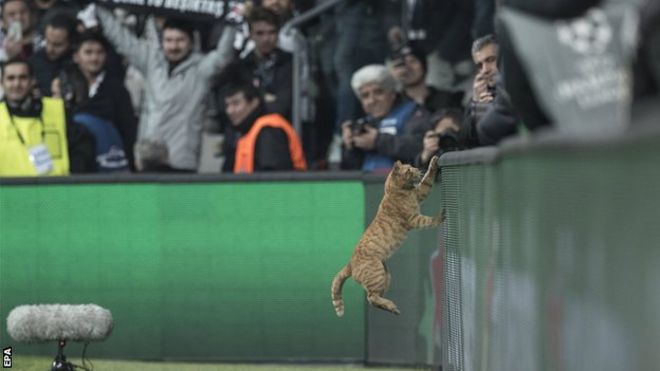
(268, 142)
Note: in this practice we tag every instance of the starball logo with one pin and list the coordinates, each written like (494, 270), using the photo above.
(587, 35)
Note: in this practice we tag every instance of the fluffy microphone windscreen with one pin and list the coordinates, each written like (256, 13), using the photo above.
(54, 322)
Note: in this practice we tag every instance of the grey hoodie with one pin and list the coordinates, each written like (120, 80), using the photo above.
(174, 104)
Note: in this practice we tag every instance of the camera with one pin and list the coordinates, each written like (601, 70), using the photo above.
(359, 126)
(448, 141)
(492, 89)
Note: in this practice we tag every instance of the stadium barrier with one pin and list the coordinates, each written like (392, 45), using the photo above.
(550, 262)
(552, 255)
(213, 268)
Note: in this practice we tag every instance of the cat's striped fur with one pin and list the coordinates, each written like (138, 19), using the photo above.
(397, 214)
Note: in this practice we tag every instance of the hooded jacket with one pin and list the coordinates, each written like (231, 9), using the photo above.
(175, 102)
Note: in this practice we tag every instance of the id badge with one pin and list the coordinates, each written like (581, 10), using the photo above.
(40, 159)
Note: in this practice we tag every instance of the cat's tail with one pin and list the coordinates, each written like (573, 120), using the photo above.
(337, 284)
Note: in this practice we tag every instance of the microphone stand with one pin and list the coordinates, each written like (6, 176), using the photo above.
(60, 363)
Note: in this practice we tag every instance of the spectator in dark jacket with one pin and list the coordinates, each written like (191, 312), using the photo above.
(491, 116)
(267, 66)
(500, 120)
(100, 102)
(485, 53)
(60, 32)
(361, 39)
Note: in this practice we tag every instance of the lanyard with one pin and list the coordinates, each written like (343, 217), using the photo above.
(18, 132)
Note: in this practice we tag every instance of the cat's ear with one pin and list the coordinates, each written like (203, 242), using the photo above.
(397, 164)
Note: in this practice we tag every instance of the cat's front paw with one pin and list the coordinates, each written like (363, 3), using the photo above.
(433, 164)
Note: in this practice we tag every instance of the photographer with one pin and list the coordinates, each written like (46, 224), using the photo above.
(391, 130)
(444, 137)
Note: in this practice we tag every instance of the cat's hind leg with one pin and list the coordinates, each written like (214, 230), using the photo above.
(380, 302)
(388, 277)
(375, 279)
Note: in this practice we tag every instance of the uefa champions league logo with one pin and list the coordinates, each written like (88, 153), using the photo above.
(587, 35)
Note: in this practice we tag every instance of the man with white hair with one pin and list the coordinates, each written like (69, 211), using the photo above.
(387, 133)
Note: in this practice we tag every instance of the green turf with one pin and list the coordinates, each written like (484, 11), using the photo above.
(43, 364)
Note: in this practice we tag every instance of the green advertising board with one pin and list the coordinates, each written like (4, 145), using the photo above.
(201, 271)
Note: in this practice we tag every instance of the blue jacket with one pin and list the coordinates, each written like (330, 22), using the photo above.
(110, 154)
(400, 137)
(391, 125)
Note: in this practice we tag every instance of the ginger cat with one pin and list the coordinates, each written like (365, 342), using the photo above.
(397, 214)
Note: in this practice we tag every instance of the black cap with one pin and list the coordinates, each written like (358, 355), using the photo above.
(409, 50)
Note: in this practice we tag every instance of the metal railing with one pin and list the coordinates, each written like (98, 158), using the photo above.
(551, 249)
(299, 57)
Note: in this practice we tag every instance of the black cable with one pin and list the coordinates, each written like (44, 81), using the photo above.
(85, 360)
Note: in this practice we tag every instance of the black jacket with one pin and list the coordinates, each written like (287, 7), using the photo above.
(271, 152)
(487, 124)
(500, 121)
(272, 75)
(443, 99)
(451, 28)
(111, 102)
(45, 70)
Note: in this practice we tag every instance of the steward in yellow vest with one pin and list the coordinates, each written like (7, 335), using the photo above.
(35, 138)
(267, 142)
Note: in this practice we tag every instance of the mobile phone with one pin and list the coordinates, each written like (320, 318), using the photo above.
(15, 30)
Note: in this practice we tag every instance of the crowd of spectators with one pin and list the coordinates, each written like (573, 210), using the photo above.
(92, 89)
